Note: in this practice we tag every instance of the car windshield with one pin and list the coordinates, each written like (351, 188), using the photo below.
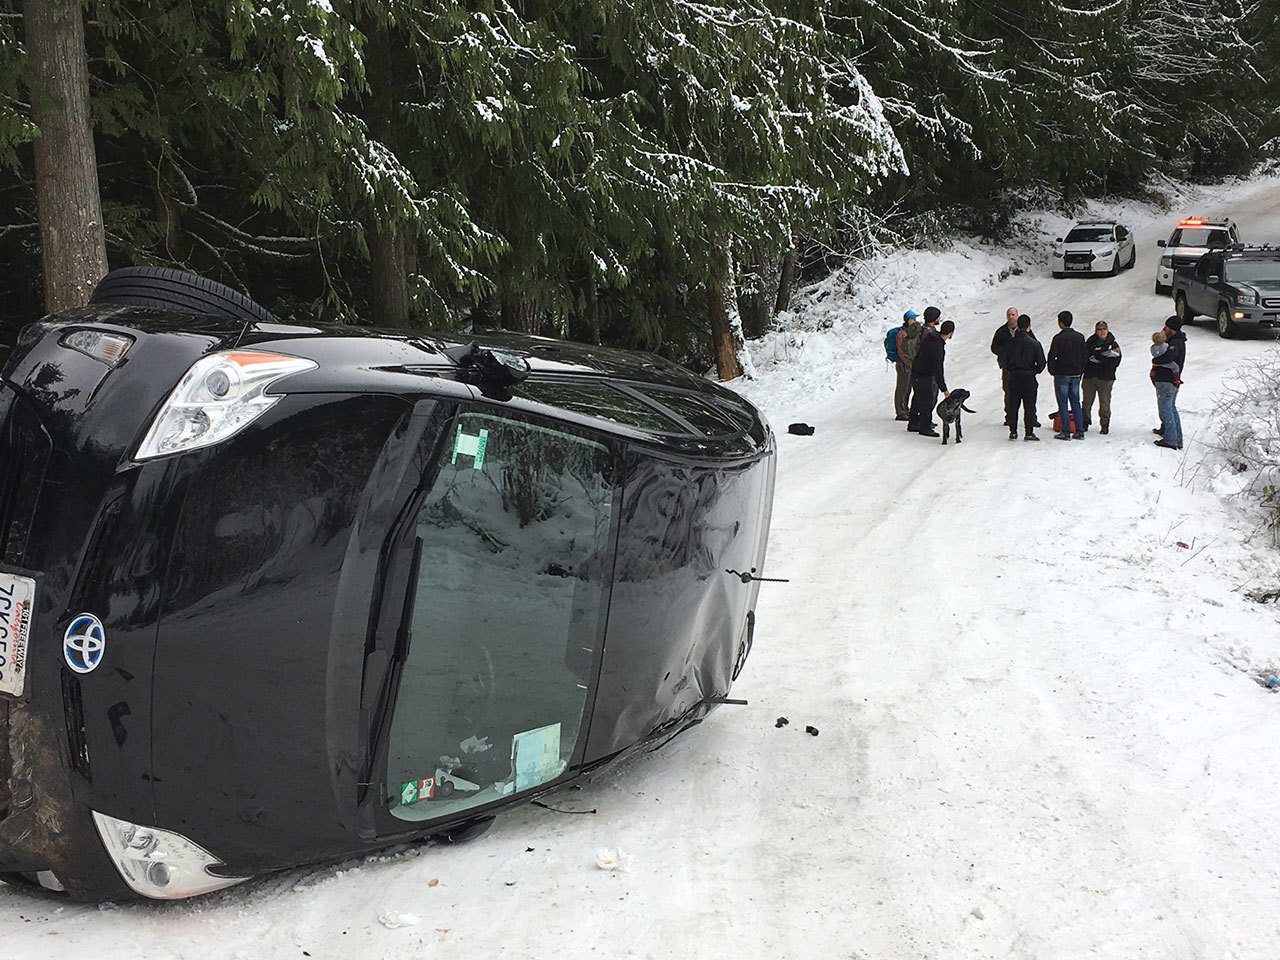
(1254, 271)
(1089, 235)
(513, 541)
(1199, 237)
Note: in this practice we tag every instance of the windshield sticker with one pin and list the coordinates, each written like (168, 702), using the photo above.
(416, 790)
(535, 755)
(471, 445)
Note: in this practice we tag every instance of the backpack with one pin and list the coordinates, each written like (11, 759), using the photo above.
(891, 345)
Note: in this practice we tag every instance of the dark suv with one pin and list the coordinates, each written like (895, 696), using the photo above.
(1239, 287)
(274, 594)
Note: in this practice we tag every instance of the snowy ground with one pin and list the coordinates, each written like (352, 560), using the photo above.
(1041, 736)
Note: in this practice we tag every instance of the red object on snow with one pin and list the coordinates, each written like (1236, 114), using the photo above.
(1184, 546)
(1057, 422)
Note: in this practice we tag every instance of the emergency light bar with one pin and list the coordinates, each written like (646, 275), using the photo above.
(1191, 222)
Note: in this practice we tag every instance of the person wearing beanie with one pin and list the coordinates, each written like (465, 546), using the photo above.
(927, 376)
(907, 342)
(1167, 377)
(1100, 374)
(1068, 356)
(1023, 362)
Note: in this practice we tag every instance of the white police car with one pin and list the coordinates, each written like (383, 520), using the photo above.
(1093, 246)
(1188, 242)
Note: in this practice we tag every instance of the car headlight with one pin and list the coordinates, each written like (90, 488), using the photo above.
(1247, 298)
(1104, 251)
(158, 864)
(217, 398)
(1166, 262)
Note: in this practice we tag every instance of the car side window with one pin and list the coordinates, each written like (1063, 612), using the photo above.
(513, 547)
(1122, 233)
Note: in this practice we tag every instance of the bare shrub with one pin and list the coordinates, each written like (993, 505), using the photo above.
(1249, 432)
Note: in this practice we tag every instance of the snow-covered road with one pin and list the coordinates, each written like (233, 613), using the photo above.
(1037, 737)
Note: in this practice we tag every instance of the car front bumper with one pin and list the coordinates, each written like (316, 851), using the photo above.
(1260, 316)
(1083, 264)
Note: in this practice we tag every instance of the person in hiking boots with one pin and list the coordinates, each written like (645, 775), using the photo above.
(1000, 347)
(928, 376)
(902, 364)
(1023, 362)
(1067, 359)
(1167, 383)
(1100, 374)
(908, 347)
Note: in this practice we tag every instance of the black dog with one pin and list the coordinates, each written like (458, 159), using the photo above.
(949, 412)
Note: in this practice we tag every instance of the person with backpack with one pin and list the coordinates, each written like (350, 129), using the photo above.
(894, 343)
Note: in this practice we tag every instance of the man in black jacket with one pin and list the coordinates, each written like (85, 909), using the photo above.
(1000, 346)
(1023, 361)
(927, 376)
(1167, 381)
(1100, 374)
(1067, 358)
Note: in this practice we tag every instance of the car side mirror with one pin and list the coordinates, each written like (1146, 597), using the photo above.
(1160, 243)
(1057, 239)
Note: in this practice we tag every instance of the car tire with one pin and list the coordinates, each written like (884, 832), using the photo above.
(164, 288)
(1162, 290)
(1115, 266)
(1133, 258)
(1182, 309)
(1226, 326)
(1058, 274)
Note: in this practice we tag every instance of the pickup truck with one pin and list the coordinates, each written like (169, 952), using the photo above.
(1240, 287)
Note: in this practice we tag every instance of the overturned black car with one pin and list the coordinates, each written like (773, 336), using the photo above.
(274, 594)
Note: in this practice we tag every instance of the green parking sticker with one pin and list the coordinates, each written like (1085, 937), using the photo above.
(471, 445)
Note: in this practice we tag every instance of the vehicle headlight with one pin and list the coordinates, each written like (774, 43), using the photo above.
(158, 864)
(1104, 251)
(217, 398)
(1248, 298)
(1166, 262)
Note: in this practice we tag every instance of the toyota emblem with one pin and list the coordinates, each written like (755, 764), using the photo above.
(84, 643)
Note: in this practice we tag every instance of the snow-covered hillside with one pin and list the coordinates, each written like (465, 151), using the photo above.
(1033, 669)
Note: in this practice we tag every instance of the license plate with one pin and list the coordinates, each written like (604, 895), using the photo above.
(17, 600)
(1077, 266)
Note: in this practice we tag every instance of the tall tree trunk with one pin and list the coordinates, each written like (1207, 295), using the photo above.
(389, 250)
(754, 303)
(784, 282)
(72, 244)
(725, 340)
(389, 263)
(521, 313)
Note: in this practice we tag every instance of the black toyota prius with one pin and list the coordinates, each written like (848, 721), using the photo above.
(273, 594)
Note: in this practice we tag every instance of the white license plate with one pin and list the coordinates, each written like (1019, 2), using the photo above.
(17, 601)
(1077, 266)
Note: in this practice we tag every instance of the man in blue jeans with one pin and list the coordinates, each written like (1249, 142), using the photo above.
(1068, 355)
(1167, 377)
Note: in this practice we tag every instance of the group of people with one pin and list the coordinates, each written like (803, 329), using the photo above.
(918, 349)
(1083, 371)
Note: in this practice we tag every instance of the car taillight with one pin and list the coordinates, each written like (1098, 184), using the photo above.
(217, 398)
